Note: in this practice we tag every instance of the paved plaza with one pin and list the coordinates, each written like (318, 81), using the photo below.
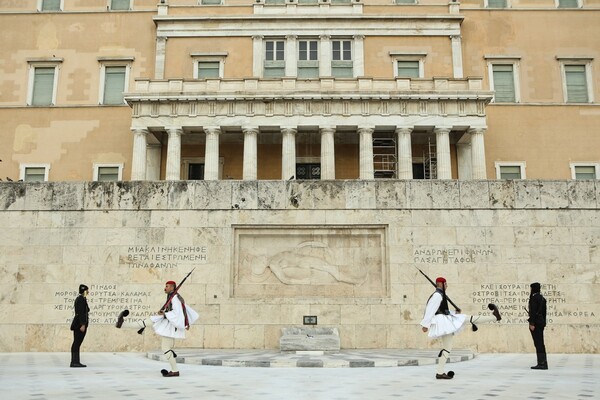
(38, 376)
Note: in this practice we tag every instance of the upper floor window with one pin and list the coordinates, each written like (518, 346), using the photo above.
(108, 172)
(585, 170)
(406, 1)
(114, 78)
(510, 170)
(50, 5)
(120, 5)
(34, 172)
(496, 3)
(208, 65)
(210, 2)
(341, 60)
(308, 59)
(407, 69)
(43, 78)
(577, 82)
(568, 3)
(274, 66)
(503, 73)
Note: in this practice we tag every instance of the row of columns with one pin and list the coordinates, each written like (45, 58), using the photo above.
(288, 153)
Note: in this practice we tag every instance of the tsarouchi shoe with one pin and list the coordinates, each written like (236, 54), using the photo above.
(78, 365)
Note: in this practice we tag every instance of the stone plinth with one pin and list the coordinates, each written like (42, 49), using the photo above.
(309, 339)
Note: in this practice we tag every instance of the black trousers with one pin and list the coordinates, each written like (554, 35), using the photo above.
(538, 341)
(78, 337)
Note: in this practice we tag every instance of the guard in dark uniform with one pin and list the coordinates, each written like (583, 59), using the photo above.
(79, 325)
(537, 323)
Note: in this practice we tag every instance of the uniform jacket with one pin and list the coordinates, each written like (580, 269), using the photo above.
(81, 312)
(537, 310)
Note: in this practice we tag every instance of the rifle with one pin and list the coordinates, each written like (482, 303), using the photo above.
(173, 294)
(457, 308)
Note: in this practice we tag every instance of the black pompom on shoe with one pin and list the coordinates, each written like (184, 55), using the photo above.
(121, 318)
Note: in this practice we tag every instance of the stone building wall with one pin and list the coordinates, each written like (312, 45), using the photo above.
(266, 253)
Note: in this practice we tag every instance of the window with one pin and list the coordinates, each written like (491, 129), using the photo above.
(308, 59)
(119, 5)
(108, 172)
(510, 170)
(50, 5)
(280, 2)
(274, 66)
(210, 2)
(406, 1)
(34, 172)
(43, 76)
(114, 84)
(341, 64)
(577, 81)
(568, 3)
(496, 3)
(585, 170)
(340, 1)
(208, 69)
(407, 69)
(503, 73)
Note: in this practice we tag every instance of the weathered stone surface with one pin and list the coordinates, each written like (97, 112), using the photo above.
(360, 194)
(445, 194)
(502, 194)
(582, 194)
(244, 195)
(474, 194)
(12, 196)
(309, 339)
(419, 194)
(527, 194)
(554, 194)
(391, 195)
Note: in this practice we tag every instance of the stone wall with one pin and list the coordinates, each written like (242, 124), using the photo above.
(267, 253)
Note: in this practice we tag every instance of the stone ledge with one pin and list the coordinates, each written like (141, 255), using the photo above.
(309, 339)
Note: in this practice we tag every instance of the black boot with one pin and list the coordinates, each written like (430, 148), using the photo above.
(495, 311)
(121, 318)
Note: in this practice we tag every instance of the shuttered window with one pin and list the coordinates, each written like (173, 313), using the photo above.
(577, 91)
(406, 1)
(211, 2)
(274, 59)
(106, 174)
(408, 69)
(208, 69)
(50, 5)
(35, 174)
(504, 83)
(585, 172)
(497, 4)
(341, 64)
(568, 4)
(119, 4)
(114, 85)
(308, 59)
(510, 172)
(43, 86)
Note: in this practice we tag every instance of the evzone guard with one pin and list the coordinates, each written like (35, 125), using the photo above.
(173, 319)
(442, 323)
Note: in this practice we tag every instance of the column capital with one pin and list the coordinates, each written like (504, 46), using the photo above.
(474, 131)
(404, 130)
(290, 130)
(325, 37)
(327, 129)
(257, 37)
(174, 130)
(442, 129)
(250, 129)
(358, 37)
(140, 131)
(455, 37)
(212, 130)
(366, 129)
(291, 37)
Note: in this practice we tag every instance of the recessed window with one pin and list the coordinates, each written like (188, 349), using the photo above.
(585, 170)
(208, 69)
(114, 84)
(341, 60)
(510, 170)
(210, 2)
(576, 83)
(108, 172)
(568, 3)
(308, 59)
(120, 5)
(50, 5)
(407, 69)
(406, 1)
(43, 78)
(274, 66)
(34, 172)
(497, 3)
(504, 83)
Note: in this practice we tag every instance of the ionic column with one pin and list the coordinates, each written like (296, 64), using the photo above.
(257, 55)
(366, 152)
(211, 155)
(478, 153)
(442, 144)
(327, 153)
(250, 158)
(404, 153)
(138, 159)
(325, 55)
(359, 55)
(173, 172)
(291, 56)
(288, 152)
(457, 64)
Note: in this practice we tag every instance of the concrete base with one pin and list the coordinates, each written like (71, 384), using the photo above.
(310, 339)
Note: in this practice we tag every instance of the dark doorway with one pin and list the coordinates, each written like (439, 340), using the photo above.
(196, 172)
(308, 171)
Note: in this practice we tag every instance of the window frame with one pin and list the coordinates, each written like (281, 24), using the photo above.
(396, 57)
(40, 6)
(412, 3)
(109, 6)
(587, 63)
(113, 62)
(97, 166)
(486, 4)
(343, 61)
(521, 164)
(579, 5)
(197, 58)
(201, 3)
(23, 169)
(43, 63)
(274, 61)
(515, 61)
(308, 63)
(574, 165)
(186, 161)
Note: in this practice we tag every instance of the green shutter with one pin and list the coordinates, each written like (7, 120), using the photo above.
(342, 69)
(208, 69)
(114, 84)
(106, 174)
(510, 172)
(497, 4)
(568, 4)
(576, 84)
(119, 4)
(585, 172)
(408, 69)
(51, 5)
(504, 83)
(211, 2)
(35, 174)
(43, 86)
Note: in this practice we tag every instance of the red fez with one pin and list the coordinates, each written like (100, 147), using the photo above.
(440, 279)
(171, 283)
